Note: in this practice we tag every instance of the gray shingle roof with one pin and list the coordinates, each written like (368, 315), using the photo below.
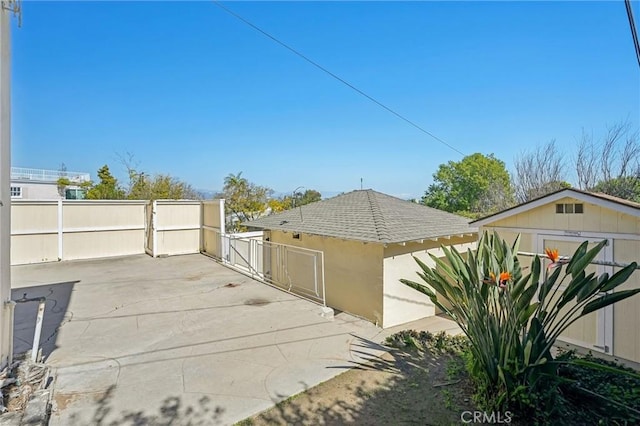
(367, 215)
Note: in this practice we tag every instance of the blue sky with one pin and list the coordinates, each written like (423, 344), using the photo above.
(192, 91)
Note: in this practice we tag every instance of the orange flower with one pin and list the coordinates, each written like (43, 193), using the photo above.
(552, 255)
(504, 277)
(501, 280)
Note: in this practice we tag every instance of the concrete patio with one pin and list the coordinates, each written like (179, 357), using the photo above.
(137, 340)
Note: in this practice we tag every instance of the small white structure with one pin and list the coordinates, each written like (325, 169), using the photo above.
(41, 184)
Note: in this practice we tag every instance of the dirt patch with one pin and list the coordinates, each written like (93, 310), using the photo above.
(257, 302)
(194, 277)
(398, 388)
(63, 400)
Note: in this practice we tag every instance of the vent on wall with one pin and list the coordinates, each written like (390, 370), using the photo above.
(296, 236)
(570, 208)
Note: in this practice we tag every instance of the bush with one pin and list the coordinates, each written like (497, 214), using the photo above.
(511, 319)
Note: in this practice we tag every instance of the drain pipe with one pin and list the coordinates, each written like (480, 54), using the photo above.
(39, 320)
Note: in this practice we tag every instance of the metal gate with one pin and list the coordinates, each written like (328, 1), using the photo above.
(294, 269)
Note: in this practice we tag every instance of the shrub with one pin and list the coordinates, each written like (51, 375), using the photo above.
(511, 319)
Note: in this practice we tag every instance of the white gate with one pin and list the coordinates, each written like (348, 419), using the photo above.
(294, 269)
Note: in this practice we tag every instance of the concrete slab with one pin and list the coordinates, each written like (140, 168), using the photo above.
(138, 340)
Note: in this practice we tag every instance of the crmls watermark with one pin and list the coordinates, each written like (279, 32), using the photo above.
(483, 417)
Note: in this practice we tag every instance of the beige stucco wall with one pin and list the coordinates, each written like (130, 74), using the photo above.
(353, 272)
(596, 222)
(402, 303)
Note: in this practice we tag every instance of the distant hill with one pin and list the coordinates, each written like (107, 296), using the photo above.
(207, 194)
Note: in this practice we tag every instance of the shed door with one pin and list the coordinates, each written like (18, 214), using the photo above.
(594, 331)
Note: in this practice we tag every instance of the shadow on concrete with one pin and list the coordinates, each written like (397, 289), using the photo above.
(57, 297)
(398, 388)
(172, 412)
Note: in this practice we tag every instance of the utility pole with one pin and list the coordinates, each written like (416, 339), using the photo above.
(6, 305)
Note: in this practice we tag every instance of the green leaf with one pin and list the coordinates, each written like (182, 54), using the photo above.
(619, 277)
(583, 261)
(582, 249)
(589, 289)
(608, 299)
(419, 287)
(525, 299)
(519, 286)
(548, 284)
(525, 314)
(516, 245)
(603, 367)
(527, 352)
(574, 287)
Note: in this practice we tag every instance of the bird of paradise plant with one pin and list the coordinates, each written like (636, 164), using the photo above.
(512, 319)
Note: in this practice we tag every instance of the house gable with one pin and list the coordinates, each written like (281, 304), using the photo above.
(599, 214)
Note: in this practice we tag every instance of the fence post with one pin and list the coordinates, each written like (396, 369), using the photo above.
(60, 230)
(154, 227)
(223, 218)
(201, 242)
(324, 295)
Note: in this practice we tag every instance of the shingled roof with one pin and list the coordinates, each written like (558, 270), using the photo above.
(367, 215)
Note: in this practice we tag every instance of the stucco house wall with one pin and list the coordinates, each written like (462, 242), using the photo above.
(353, 272)
(402, 303)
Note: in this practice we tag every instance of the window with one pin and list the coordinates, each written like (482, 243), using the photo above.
(74, 194)
(569, 208)
(16, 192)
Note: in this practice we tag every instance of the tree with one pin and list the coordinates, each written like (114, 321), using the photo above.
(143, 186)
(108, 187)
(296, 199)
(244, 200)
(478, 184)
(159, 187)
(277, 205)
(611, 165)
(539, 172)
(624, 187)
(309, 196)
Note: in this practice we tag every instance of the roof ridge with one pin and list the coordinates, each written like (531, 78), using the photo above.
(378, 218)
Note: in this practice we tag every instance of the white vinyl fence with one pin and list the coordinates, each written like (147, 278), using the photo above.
(54, 230)
(48, 231)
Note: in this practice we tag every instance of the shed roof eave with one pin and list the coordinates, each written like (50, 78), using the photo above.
(555, 196)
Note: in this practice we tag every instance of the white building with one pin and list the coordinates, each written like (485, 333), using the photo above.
(40, 184)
